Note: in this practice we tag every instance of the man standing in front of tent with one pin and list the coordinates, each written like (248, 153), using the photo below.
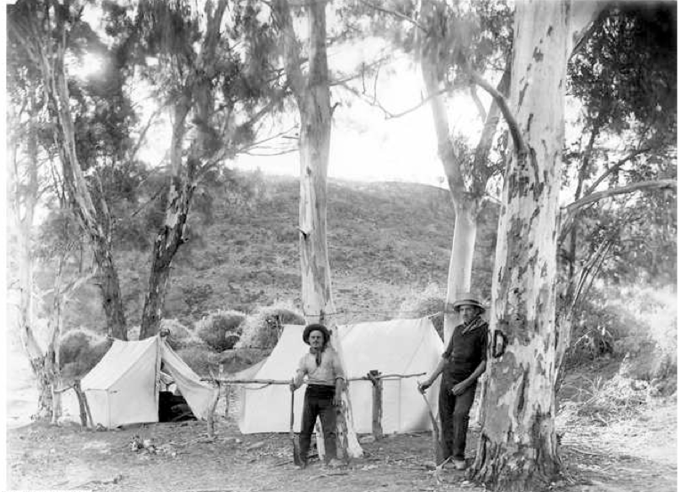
(325, 383)
(463, 361)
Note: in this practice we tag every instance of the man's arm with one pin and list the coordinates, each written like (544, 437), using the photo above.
(297, 379)
(460, 388)
(424, 385)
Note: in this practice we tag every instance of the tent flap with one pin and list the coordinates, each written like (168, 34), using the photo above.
(123, 387)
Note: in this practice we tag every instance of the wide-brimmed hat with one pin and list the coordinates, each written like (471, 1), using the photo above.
(468, 299)
(315, 327)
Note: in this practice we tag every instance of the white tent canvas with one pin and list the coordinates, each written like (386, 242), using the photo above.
(406, 346)
(123, 387)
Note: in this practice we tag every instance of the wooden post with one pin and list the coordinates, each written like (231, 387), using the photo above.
(228, 389)
(374, 377)
(211, 411)
(85, 414)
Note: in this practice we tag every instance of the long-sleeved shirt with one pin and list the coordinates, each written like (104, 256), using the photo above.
(326, 374)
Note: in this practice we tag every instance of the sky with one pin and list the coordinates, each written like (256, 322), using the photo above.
(368, 145)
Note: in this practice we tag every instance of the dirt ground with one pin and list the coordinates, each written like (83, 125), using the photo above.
(639, 455)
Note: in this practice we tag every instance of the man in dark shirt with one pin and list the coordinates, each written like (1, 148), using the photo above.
(461, 364)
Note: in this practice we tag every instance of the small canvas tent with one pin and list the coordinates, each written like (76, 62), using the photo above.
(123, 387)
(405, 346)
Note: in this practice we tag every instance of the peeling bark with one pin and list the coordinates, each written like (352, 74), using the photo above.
(312, 93)
(518, 446)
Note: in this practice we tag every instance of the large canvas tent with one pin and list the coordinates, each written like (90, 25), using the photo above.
(123, 387)
(405, 346)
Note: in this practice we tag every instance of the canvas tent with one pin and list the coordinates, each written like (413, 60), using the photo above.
(123, 387)
(406, 346)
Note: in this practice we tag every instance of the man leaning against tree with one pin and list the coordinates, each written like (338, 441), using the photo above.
(462, 363)
(325, 382)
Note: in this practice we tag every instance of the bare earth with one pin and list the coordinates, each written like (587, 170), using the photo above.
(625, 457)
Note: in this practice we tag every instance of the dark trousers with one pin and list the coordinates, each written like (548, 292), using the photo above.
(318, 402)
(454, 412)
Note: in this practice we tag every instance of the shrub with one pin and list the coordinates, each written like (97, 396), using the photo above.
(597, 326)
(201, 359)
(638, 324)
(430, 300)
(79, 351)
(214, 327)
(615, 399)
(262, 329)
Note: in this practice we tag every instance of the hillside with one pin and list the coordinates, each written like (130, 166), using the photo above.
(387, 241)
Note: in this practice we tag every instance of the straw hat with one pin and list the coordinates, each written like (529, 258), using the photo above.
(468, 299)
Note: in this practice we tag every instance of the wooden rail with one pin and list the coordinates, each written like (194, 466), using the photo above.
(374, 376)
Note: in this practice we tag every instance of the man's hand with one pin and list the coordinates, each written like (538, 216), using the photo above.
(423, 386)
(293, 386)
(460, 388)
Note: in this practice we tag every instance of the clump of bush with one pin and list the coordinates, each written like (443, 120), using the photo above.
(636, 324)
(419, 304)
(220, 329)
(261, 330)
(201, 359)
(605, 401)
(79, 351)
(180, 336)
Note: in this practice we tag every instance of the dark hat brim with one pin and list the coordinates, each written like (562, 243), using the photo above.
(315, 327)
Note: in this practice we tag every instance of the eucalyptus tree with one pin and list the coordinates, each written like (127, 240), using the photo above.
(307, 76)
(458, 47)
(518, 449)
(54, 242)
(49, 35)
(209, 66)
(24, 109)
(624, 75)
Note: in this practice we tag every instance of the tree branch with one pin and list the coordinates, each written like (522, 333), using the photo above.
(584, 17)
(595, 197)
(615, 167)
(506, 112)
(479, 104)
(395, 14)
(388, 114)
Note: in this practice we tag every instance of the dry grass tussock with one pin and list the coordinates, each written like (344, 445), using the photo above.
(79, 351)
(220, 329)
(262, 329)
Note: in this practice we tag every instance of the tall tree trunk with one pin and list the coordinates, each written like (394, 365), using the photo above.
(467, 201)
(313, 101)
(24, 199)
(583, 171)
(197, 97)
(464, 235)
(44, 33)
(109, 286)
(22, 208)
(518, 448)
(172, 233)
